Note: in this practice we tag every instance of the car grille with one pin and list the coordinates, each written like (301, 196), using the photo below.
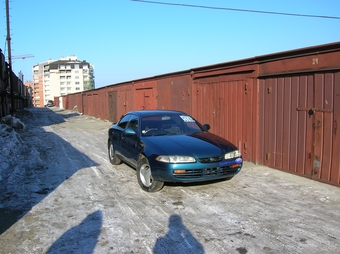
(210, 159)
(220, 171)
(207, 172)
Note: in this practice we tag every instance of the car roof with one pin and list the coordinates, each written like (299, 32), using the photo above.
(154, 112)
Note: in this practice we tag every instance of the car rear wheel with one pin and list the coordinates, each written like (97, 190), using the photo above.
(112, 155)
(144, 176)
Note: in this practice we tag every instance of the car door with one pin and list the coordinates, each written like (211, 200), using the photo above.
(118, 134)
(131, 143)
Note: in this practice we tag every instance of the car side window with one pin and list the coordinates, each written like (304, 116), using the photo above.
(133, 123)
(123, 122)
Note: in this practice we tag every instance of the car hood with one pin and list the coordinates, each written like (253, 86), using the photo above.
(201, 144)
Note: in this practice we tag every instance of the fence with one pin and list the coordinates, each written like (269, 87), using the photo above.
(14, 94)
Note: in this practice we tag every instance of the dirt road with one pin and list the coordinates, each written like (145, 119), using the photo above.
(63, 195)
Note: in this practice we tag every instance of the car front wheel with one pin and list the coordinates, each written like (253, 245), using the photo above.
(145, 178)
(112, 154)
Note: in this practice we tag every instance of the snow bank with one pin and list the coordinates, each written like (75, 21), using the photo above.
(20, 160)
(13, 122)
(10, 140)
(14, 153)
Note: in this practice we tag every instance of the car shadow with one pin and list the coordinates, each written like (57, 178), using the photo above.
(178, 239)
(81, 238)
(42, 162)
(208, 182)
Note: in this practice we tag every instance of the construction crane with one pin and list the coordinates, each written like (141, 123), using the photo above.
(21, 56)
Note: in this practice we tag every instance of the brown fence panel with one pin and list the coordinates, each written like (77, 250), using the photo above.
(91, 99)
(335, 167)
(326, 117)
(102, 105)
(75, 100)
(175, 93)
(66, 102)
(298, 118)
(284, 131)
(125, 99)
(85, 104)
(227, 104)
(112, 106)
(145, 95)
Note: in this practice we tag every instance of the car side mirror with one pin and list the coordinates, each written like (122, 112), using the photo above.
(129, 132)
(206, 127)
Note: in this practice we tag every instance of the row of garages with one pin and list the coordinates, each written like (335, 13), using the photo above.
(282, 110)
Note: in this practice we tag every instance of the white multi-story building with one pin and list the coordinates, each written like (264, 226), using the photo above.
(60, 77)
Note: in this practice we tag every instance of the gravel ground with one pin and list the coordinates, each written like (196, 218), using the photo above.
(60, 194)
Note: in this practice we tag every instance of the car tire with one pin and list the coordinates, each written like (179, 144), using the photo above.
(144, 176)
(114, 160)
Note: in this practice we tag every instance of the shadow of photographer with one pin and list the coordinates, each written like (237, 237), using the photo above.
(81, 238)
(178, 239)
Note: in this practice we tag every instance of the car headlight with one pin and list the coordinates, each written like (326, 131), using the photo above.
(233, 154)
(175, 159)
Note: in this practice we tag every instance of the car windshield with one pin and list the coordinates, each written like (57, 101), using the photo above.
(169, 124)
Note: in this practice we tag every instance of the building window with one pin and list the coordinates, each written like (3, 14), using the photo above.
(77, 82)
(62, 83)
(62, 89)
(62, 77)
(68, 66)
(77, 88)
(62, 66)
(68, 83)
(69, 88)
(68, 77)
(76, 77)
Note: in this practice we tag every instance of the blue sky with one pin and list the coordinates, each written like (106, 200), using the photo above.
(127, 40)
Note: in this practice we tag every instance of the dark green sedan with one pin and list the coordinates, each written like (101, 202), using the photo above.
(170, 146)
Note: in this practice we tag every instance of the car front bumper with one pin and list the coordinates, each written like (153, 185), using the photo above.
(196, 172)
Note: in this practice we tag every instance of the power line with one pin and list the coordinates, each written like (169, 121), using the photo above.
(240, 10)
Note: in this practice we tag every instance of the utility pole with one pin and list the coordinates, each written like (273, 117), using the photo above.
(8, 38)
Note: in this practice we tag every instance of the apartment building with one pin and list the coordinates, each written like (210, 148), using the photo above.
(60, 77)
